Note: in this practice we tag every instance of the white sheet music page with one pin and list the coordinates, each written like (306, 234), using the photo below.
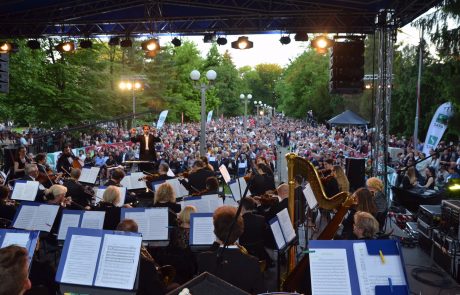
(25, 217)
(67, 220)
(278, 234)
(142, 222)
(372, 272)
(286, 225)
(135, 182)
(203, 231)
(118, 262)
(121, 202)
(158, 224)
(223, 170)
(326, 264)
(178, 187)
(25, 191)
(20, 239)
(93, 219)
(238, 187)
(310, 196)
(85, 175)
(44, 217)
(126, 181)
(93, 173)
(81, 260)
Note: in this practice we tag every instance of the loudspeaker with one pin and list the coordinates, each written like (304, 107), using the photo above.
(355, 169)
(347, 67)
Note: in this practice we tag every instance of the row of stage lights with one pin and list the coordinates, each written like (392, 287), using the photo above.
(152, 46)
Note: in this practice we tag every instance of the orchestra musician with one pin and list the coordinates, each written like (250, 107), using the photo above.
(109, 202)
(165, 197)
(7, 206)
(197, 178)
(147, 147)
(31, 171)
(46, 176)
(66, 160)
(76, 190)
(239, 269)
(20, 162)
(261, 180)
(117, 176)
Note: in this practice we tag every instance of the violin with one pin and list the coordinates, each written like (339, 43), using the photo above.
(267, 199)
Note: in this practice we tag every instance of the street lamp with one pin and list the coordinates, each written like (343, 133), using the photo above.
(131, 84)
(195, 76)
(257, 104)
(246, 98)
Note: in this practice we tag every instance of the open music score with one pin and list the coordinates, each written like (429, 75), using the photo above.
(35, 216)
(80, 218)
(131, 181)
(201, 229)
(310, 196)
(282, 229)
(89, 175)
(23, 238)
(237, 187)
(100, 258)
(203, 204)
(25, 190)
(153, 223)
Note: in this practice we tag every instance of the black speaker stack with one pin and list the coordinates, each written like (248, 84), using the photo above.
(347, 67)
(355, 169)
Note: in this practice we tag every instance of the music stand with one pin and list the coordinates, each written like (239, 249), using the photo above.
(209, 284)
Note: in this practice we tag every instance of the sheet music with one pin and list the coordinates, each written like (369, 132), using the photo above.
(93, 219)
(204, 204)
(286, 225)
(170, 173)
(278, 234)
(25, 217)
(152, 223)
(119, 261)
(26, 191)
(202, 231)
(132, 181)
(81, 260)
(310, 196)
(20, 239)
(67, 220)
(372, 272)
(223, 170)
(44, 217)
(178, 187)
(235, 188)
(89, 175)
(326, 264)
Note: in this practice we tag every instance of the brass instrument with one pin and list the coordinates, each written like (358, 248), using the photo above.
(298, 165)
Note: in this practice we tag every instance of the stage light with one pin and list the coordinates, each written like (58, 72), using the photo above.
(209, 38)
(5, 47)
(321, 43)
(242, 43)
(86, 44)
(126, 43)
(33, 44)
(221, 41)
(151, 45)
(301, 36)
(285, 40)
(114, 41)
(67, 46)
(176, 42)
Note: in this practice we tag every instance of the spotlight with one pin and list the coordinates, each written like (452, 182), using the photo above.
(65, 46)
(301, 36)
(285, 40)
(209, 38)
(126, 43)
(176, 42)
(33, 44)
(242, 43)
(114, 41)
(221, 41)
(86, 44)
(5, 47)
(321, 43)
(150, 45)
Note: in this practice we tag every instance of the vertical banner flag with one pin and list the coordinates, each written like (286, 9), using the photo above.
(209, 117)
(437, 127)
(162, 119)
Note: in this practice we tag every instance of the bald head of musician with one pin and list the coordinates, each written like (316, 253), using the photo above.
(283, 191)
(14, 270)
(222, 219)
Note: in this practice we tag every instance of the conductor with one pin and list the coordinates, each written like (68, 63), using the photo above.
(147, 147)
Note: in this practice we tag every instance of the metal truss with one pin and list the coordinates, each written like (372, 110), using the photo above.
(386, 32)
(134, 17)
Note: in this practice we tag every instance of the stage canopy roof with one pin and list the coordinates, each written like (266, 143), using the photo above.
(347, 118)
(35, 18)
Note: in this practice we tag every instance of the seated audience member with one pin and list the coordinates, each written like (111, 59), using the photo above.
(240, 270)
(364, 202)
(255, 230)
(430, 176)
(375, 186)
(7, 208)
(365, 226)
(110, 199)
(14, 271)
(149, 278)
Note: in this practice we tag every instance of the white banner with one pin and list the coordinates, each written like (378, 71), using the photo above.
(209, 117)
(437, 127)
(162, 119)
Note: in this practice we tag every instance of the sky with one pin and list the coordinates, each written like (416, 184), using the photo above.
(268, 49)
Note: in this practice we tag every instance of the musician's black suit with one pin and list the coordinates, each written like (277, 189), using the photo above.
(197, 180)
(240, 270)
(144, 153)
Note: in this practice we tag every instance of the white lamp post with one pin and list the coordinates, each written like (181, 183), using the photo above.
(131, 84)
(246, 98)
(195, 76)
